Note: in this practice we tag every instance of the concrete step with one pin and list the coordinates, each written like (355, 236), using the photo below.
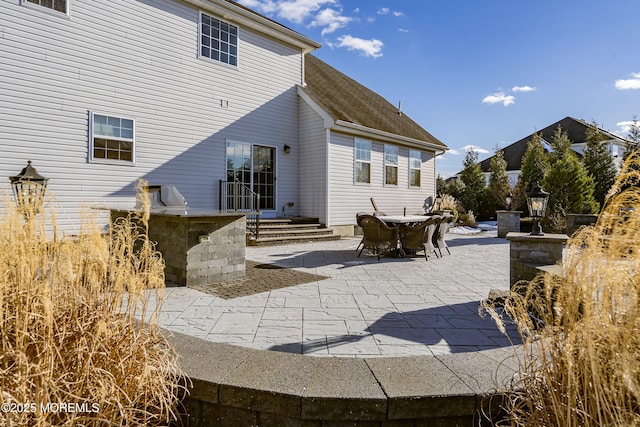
(284, 232)
(274, 231)
(266, 241)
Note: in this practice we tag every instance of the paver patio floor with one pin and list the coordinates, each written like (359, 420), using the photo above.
(320, 299)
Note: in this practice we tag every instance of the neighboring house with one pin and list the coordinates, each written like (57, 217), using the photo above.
(576, 130)
(101, 94)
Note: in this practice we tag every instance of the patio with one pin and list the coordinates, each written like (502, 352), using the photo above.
(320, 299)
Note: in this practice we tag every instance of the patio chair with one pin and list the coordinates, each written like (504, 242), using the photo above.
(358, 216)
(443, 228)
(378, 236)
(415, 238)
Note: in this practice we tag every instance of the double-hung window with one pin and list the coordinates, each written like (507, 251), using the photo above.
(390, 164)
(415, 166)
(218, 40)
(362, 168)
(111, 138)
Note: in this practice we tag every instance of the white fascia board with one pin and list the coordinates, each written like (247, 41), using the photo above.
(348, 127)
(256, 22)
(326, 118)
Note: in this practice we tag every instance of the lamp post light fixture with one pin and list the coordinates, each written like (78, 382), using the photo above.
(29, 188)
(537, 200)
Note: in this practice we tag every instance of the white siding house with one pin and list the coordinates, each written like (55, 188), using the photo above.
(101, 94)
(340, 117)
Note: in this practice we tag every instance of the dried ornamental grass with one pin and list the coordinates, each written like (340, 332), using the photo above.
(73, 351)
(581, 329)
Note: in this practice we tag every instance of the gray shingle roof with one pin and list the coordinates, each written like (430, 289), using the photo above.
(344, 99)
(576, 130)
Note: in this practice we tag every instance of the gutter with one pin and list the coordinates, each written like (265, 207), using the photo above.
(341, 125)
(255, 21)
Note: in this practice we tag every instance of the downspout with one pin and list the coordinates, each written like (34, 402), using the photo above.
(328, 178)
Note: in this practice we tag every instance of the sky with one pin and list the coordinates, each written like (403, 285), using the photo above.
(481, 74)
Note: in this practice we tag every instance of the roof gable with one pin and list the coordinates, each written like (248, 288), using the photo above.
(576, 130)
(346, 100)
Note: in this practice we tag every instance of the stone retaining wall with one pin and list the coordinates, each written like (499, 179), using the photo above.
(237, 386)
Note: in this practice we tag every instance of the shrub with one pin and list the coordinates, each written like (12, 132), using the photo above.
(581, 358)
(70, 329)
(468, 219)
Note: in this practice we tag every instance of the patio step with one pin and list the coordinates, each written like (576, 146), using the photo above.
(289, 230)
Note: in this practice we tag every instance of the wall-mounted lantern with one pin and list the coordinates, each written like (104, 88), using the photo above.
(29, 188)
(537, 200)
(286, 148)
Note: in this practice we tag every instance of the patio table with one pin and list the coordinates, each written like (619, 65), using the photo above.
(399, 220)
(402, 219)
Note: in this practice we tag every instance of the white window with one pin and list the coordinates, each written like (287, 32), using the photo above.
(218, 40)
(390, 164)
(415, 166)
(362, 169)
(111, 138)
(61, 6)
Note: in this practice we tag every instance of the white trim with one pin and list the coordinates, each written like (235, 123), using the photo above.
(327, 180)
(98, 160)
(48, 10)
(355, 160)
(355, 129)
(275, 175)
(250, 19)
(384, 165)
(208, 58)
(327, 120)
(419, 186)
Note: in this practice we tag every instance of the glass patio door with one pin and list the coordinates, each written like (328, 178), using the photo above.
(254, 166)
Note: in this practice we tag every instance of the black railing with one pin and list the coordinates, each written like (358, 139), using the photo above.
(237, 197)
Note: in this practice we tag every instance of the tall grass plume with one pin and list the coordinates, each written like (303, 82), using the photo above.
(73, 350)
(581, 327)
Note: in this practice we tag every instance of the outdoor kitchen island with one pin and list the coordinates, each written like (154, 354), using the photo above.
(198, 246)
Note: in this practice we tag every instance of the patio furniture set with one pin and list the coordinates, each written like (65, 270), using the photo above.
(401, 235)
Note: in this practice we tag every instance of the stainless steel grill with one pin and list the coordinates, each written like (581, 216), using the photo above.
(164, 196)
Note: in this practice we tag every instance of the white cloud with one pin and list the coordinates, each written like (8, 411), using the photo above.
(403, 30)
(499, 97)
(293, 10)
(398, 13)
(370, 48)
(453, 151)
(383, 11)
(625, 127)
(632, 83)
(523, 89)
(475, 148)
(331, 20)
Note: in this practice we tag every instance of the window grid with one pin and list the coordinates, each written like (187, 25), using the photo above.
(390, 165)
(362, 161)
(415, 167)
(112, 138)
(57, 5)
(218, 40)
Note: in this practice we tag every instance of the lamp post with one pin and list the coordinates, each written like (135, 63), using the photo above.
(29, 188)
(537, 200)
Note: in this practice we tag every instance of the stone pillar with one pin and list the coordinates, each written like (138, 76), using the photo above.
(508, 221)
(527, 253)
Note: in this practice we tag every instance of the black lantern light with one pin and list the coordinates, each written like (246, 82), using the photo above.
(29, 188)
(537, 200)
